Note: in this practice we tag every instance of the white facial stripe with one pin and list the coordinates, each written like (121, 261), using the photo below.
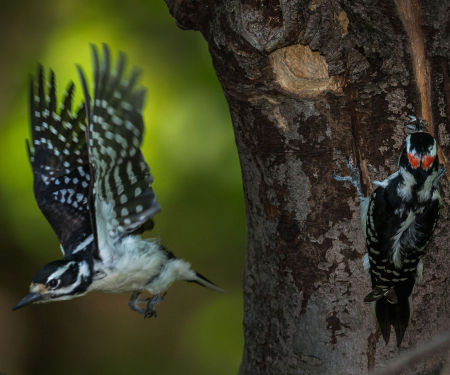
(83, 271)
(408, 143)
(66, 290)
(413, 152)
(432, 149)
(60, 271)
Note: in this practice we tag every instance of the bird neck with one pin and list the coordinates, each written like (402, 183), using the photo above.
(416, 187)
(85, 271)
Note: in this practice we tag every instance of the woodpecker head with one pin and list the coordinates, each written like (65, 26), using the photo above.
(58, 280)
(419, 156)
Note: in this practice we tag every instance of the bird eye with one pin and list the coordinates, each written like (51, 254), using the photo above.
(53, 283)
(414, 161)
(427, 160)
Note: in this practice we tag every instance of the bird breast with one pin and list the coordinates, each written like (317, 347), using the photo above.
(135, 262)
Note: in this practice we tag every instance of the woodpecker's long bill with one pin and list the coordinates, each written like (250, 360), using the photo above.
(398, 220)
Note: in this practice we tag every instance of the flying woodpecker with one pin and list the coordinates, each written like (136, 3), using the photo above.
(397, 221)
(93, 185)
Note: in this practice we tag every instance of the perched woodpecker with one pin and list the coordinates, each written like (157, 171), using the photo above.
(93, 185)
(397, 221)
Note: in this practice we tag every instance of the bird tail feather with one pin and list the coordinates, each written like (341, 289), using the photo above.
(203, 281)
(397, 315)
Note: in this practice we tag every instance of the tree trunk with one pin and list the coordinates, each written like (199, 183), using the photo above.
(309, 83)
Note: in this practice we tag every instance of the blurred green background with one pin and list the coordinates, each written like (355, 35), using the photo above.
(189, 145)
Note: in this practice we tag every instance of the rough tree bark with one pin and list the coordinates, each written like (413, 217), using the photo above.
(309, 83)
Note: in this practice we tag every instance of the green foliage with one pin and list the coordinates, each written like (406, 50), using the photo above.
(189, 145)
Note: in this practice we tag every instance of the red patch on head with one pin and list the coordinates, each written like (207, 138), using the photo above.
(413, 160)
(427, 160)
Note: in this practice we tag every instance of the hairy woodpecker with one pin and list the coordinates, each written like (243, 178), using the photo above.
(93, 185)
(397, 221)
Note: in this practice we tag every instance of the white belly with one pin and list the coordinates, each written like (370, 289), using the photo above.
(137, 264)
(133, 263)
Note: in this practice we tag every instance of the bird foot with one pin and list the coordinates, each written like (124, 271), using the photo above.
(353, 177)
(151, 305)
(147, 306)
(441, 172)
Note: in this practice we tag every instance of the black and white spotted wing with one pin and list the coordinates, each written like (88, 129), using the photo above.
(58, 156)
(122, 177)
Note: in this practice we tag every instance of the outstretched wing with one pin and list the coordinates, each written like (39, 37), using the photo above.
(59, 158)
(124, 198)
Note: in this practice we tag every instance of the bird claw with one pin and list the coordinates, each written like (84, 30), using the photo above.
(149, 310)
(441, 172)
(353, 178)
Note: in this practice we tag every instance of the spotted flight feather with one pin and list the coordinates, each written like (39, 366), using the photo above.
(59, 159)
(122, 177)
